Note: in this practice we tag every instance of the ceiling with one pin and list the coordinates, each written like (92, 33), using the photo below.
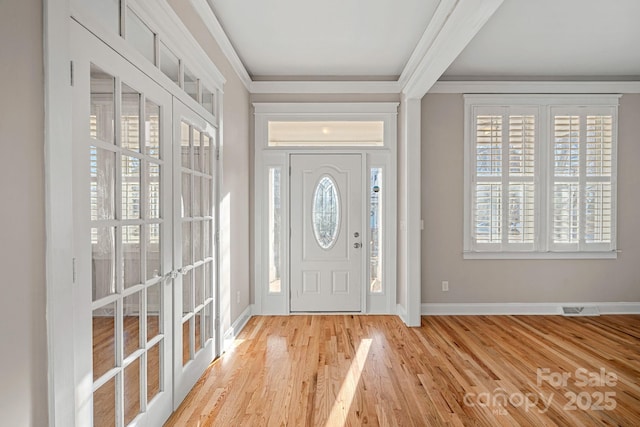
(374, 39)
(555, 39)
(329, 38)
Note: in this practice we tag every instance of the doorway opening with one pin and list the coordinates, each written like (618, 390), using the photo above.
(325, 219)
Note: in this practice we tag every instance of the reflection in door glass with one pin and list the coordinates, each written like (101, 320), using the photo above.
(130, 119)
(275, 214)
(326, 213)
(101, 121)
(375, 230)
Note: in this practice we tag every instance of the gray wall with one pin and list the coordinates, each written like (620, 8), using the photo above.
(23, 359)
(236, 170)
(518, 280)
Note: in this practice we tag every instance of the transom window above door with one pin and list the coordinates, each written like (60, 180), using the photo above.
(325, 133)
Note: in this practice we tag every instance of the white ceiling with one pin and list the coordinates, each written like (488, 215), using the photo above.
(374, 39)
(555, 38)
(326, 38)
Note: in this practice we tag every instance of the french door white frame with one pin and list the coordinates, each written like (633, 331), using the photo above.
(87, 50)
(186, 375)
(66, 406)
(278, 158)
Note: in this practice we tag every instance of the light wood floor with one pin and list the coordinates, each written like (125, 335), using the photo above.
(372, 370)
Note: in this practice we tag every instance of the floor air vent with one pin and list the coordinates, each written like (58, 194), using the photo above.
(580, 311)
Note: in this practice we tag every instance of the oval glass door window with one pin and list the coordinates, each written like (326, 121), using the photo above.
(326, 212)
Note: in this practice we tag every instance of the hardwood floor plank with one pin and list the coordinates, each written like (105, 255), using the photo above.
(452, 371)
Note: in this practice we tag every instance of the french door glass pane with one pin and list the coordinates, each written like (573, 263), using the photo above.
(104, 340)
(153, 190)
(130, 119)
(154, 311)
(197, 195)
(103, 261)
(199, 285)
(207, 145)
(186, 342)
(153, 371)
(130, 187)
(208, 278)
(187, 293)
(206, 240)
(207, 100)
(197, 160)
(152, 129)
(185, 145)
(153, 251)
(186, 244)
(104, 405)
(140, 36)
(131, 391)
(101, 119)
(197, 242)
(206, 197)
(169, 64)
(186, 195)
(131, 323)
(131, 256)
(190, 84)
(208, 321)
(197, 329)
(103, 171)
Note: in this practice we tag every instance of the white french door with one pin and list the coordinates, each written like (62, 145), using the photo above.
(122, 238)
(195, 220)
(327, 232)
(145, 213)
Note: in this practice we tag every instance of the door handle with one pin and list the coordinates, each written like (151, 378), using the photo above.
(357, 245)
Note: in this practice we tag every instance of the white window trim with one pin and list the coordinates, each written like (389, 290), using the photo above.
(278, 156)
(544, 135)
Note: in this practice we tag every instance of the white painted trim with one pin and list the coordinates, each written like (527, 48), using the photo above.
(454, 27)
(437, 21)
(568, 87)
(402, 313)
(204, 9)
(322, 87)
(236, 327)
(173, 32)
(515, 308)
(539, 255)
(58, 154)
(302, 108)
(412, 208)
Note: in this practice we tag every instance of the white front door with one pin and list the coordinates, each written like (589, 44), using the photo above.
(326, 202)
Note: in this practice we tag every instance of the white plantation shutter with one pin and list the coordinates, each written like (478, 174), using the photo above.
(583, 179)
(504, 161)
(540, 175)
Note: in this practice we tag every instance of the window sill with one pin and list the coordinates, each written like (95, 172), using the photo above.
(540, 255)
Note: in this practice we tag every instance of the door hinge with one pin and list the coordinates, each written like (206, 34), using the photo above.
(71, 72)
(217, 237)
(217, 154)
(73, 269)
(289, 170)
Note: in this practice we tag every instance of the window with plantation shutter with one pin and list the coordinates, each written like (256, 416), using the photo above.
(540, 176)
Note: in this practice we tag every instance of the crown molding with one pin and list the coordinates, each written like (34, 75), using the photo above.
(535, 87)
(324, 87)
(203, 8)
(452, 27)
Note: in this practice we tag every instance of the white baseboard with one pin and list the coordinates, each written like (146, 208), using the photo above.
(402, 313)
(516, 308)
(232, 333)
